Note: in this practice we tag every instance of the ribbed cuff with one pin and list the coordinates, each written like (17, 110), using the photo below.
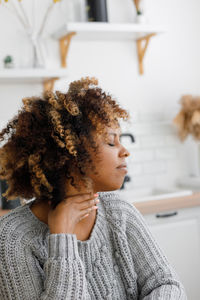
(63, 245)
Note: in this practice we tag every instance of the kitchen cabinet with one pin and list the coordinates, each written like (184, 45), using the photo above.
(178, 235)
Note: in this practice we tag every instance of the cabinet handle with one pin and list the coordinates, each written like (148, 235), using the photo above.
(167, 215)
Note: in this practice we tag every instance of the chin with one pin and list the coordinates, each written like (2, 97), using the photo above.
(111, 187)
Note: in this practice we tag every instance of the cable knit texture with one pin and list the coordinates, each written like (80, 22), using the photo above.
(120, 260)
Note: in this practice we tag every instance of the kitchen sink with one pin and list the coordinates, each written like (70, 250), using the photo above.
(139, 195)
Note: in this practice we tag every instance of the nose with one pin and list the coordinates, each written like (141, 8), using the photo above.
(124, 152)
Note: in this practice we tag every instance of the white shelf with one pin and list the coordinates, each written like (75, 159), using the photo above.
(107, 31)
(30, 75)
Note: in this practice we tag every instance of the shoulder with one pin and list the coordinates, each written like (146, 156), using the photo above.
(112, 201)
(120, 209)
(11, 219)
(126, 219)
(17, 228)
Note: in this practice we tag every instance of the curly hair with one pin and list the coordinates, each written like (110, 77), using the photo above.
(50, 137)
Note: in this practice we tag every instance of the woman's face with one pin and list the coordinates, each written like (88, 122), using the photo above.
(109, 162)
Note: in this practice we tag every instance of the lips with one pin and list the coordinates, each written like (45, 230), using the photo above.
(122, 166)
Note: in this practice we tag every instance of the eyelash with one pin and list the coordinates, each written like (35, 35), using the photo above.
(112, 145)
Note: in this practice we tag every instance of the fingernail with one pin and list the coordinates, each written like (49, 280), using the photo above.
(96, 195)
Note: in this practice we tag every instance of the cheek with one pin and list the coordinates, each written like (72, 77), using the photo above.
(105, 164)
(108, 165)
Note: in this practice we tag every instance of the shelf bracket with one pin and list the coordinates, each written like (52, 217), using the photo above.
(137, 4)
(64, 47)
(48, 84)
(142, 50)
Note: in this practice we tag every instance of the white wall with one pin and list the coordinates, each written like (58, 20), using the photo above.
(171, 67)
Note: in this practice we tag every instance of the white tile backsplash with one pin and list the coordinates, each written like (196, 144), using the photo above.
(141, 155)
(135, 169)
(154, 167)
(166, 153)
(154, 159)
(152, 141)
(171, 140)
(142, 181)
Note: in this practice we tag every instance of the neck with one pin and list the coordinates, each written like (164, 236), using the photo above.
(41, 209)
(72, 191)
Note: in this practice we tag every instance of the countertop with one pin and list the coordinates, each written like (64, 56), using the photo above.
(155, 206)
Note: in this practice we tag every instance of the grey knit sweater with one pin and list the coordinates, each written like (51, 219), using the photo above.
(120, 260)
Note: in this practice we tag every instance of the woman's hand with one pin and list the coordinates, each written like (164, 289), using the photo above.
(70, 211)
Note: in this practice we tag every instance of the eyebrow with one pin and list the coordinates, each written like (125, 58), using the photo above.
(112, 133)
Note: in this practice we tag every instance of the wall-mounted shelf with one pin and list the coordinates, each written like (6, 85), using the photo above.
(44, 76)
(106, 31)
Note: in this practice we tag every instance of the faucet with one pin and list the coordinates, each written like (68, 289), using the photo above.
(128, 134)
(127, 178)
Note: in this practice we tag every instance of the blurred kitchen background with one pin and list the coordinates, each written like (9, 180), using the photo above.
(146, 55)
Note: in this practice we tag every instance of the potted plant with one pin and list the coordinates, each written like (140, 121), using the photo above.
(140, 17)
(8, 61)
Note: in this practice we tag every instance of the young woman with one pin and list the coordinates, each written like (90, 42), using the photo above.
(74, 238)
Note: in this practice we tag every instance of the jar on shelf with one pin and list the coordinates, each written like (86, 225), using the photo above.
(97, 10)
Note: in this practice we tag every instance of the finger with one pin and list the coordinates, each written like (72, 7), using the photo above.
(83, 217)
(88, 203)
(87, 210)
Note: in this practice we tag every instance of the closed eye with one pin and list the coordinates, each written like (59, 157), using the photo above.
(112, 145)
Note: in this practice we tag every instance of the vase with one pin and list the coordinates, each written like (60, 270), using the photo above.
(38, 60)
(141, 19)
(191, 158)
(37, 54)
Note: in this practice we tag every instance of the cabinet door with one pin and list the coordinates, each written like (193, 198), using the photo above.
(179, 238)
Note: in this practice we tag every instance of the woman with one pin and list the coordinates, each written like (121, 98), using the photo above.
(74, 239)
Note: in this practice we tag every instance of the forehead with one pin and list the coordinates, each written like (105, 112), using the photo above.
(109, 132)
(114, 131)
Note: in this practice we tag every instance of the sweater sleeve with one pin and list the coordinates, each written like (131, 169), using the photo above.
(61, 277)
(157, 280)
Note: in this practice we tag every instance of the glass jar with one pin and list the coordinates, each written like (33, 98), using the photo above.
(97, 11)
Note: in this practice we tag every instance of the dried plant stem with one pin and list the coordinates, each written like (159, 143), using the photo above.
(45, 19)
(137, 4)
(15, 13)
(24, 14)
